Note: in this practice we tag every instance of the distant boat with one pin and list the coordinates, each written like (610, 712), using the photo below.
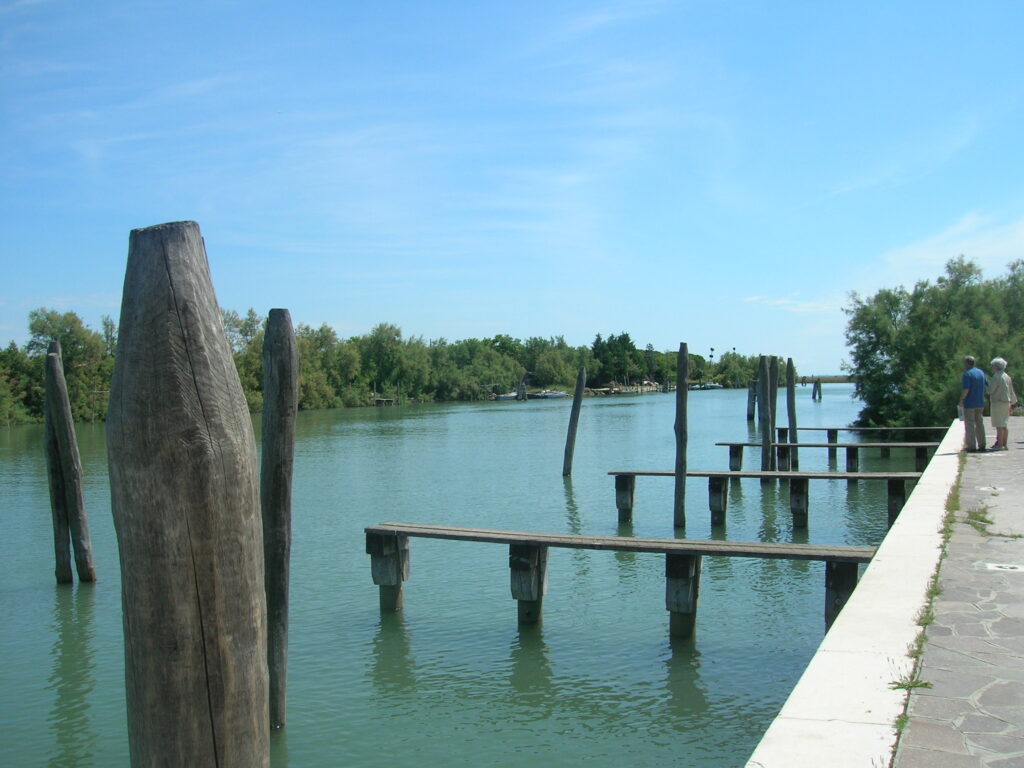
(706, 385)
(548, 394)
(506, 396)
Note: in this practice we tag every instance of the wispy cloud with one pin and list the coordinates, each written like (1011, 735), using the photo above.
(793, 303)
(982, 238)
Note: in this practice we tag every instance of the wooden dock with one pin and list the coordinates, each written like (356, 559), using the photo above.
(852, 452)
(718, 489)
(388, 547)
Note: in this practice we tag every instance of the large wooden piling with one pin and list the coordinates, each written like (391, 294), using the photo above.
(185, 501)
(280, 407)
(764, 412)
(794, 457)
(682, 390)
(574, 418)
(64, 472)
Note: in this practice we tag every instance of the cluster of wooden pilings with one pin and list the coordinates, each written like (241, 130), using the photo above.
(388, 543)
(204, 535)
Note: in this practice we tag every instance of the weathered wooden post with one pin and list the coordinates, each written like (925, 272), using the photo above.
(852, 459)
(389, 567)
(773, 393)
(735, 458)
(625, 490)
(920, 458)
(794, 458)
(682, 588)
(764, 412)
(751, 398)
(832, 437)
(185, 501)
(574, 418)
(64, 472)
(840, 581)
(682, 391)
(896, 498)
(280, 406)
(798, 501)
(718, 499)
(529, 579)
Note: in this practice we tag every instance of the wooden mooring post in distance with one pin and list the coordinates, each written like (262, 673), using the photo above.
(184, 490)
(574, 418)
(751, 399)
(682, 392)
(682, 589)
(625, 491)
(280, 407)
(64, 471)
(794, 457)
(528, 575)
(764, 412)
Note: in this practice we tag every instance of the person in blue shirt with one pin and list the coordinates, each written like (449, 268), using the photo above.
(972, 399)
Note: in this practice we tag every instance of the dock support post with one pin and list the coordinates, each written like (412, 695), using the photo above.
(185, 499)
(682, 587)
(897, 498)
(798, 501)
(832, 437)
(885, 452)
(280, 408)
(625, 489)
(751, 398)
(840, 581)
(852, 460)
(783, 457)
(794, 457)
(682, 377)
(735, 458)
(64, 471)
(529, 579)
(718, 499)
(389, 567)
(574, 418)
(920, 458)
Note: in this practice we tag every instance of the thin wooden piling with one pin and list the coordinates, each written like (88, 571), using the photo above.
(794, 456)
(574, 418)
(625, 490)
(529, 579)
(682, 589)
(773, 393)
(64, 472)
(185, 502)
(718, 499)
(751, 398)
(682, 377)
(764, 413)
(840, 581)
(280, 407)
(852, 459)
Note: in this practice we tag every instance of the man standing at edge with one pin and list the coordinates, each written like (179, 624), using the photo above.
(972, 398)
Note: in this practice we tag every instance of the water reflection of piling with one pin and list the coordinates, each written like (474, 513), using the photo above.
(71, 677)
(393, 669)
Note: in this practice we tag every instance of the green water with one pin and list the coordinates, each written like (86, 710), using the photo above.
(453, 680)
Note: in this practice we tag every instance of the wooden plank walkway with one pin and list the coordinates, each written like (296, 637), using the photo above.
(388, 547)
(718, 489)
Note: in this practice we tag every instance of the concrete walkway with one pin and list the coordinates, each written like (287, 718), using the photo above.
(973, 715)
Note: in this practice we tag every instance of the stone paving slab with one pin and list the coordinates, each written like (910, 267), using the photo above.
(973, 715)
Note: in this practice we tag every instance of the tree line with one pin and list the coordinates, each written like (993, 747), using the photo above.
(345, 372)
(907, 345)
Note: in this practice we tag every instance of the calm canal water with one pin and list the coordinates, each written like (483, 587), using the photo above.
(453, 680)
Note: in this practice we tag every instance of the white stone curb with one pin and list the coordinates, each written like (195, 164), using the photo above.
(842, 711)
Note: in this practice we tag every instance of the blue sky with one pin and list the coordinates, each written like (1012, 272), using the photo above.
(717, 173)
